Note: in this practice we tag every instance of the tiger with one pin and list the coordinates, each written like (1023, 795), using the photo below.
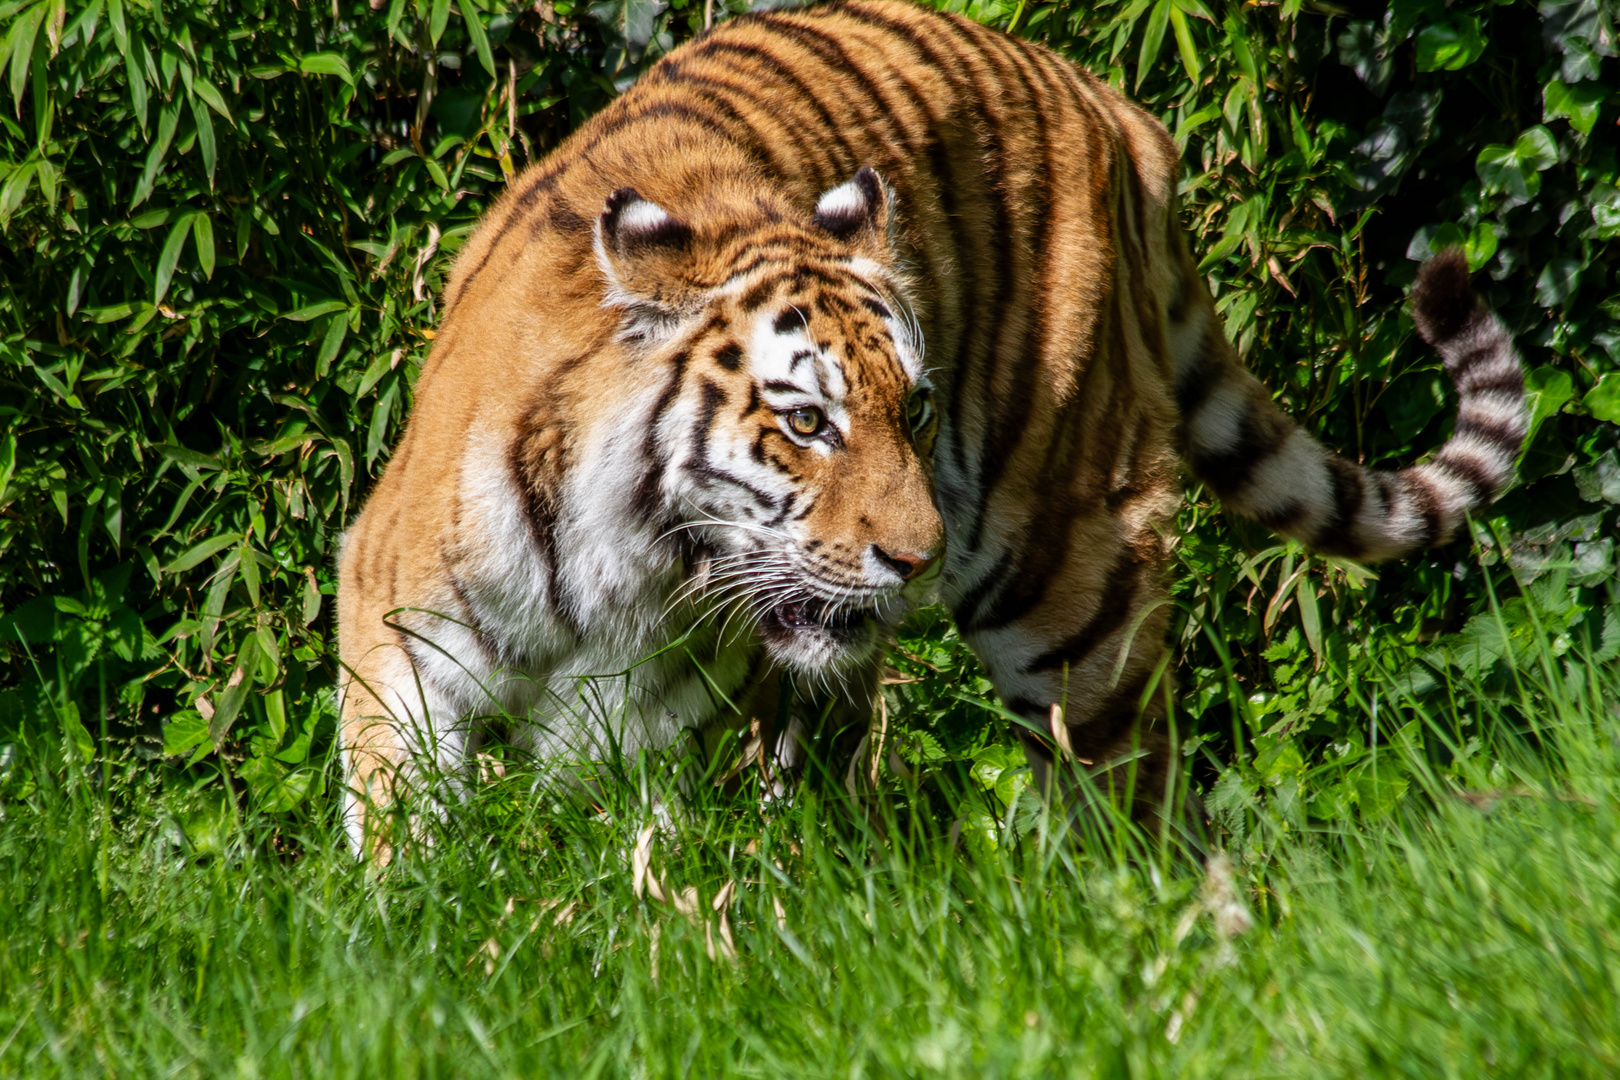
(839, 310)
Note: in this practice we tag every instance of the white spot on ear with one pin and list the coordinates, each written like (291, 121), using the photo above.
(845, 200)
(642, 217)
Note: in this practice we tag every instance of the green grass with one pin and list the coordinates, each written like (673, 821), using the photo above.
(1470, 931)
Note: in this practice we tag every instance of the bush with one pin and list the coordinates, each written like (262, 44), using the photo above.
(226, 226)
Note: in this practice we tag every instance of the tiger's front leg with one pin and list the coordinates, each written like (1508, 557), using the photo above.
(1060, 589)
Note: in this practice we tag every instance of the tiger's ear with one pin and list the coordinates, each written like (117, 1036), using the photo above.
(642, 250)
(856, 210)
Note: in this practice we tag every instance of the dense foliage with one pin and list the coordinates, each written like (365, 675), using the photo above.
(225, 228)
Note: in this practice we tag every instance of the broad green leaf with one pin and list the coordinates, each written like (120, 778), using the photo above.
(1579, 104)
(326, 63)
(203, 229)
(475, 30)
(1603, 400)
(212, 546)
(1558, 281)
(1536, 148)
(1451, 45)
(1480, 245)
(184, 732)
(169, 258)
(1547, 390)
(1501, 169)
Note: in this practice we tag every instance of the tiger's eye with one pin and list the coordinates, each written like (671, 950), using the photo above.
(919, 410)
(805, 422)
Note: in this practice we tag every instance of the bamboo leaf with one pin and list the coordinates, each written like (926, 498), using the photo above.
(1153, 39)
(203, 229)
(197, 554)
(205, 138)
(169, 258)
(212, 97)
(475, 30)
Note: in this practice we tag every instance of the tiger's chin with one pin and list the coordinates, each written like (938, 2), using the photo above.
(818, 638)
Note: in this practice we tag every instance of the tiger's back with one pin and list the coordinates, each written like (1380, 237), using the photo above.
(598, 407)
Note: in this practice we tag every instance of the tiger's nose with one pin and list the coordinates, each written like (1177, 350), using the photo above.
(908, 564)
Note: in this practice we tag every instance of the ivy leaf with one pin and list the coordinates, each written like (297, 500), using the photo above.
(1546, 391)
(1579, 104)
(1558, 281)
(1603, 401)
(1536, 148)
(1451, 45)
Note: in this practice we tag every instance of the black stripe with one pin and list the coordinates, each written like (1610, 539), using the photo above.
(1336, 535)
(1475, 474)
(776, 67)
(646, 501)
(1504, 434)
(1114, 605)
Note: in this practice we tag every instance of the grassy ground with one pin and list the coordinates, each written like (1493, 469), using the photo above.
(1470, 931)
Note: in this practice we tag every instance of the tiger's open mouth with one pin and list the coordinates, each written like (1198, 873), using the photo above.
(842, 622)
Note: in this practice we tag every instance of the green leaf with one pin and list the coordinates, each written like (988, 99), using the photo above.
(235, 693)
(1500, 169)
(475, 30)
(1558, 281)
(1184, 42)
(312, 600)
(8, 463)
(20, 47)
(438, 19)
(1603, 400)
(211, 95)
(326, 63)
(314, 311)
(331, 342)
(202, 227)
(1546, 391)
(169, 258)
(1480, 245)
(1451, 45)
(205, 139)
(185, 731)
(250, 572)
(1153, 39)
(1579, 104)
(1536, 148)
(181, 455)
(213, 545)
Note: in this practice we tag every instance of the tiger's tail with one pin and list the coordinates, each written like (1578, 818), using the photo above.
(1264, 467)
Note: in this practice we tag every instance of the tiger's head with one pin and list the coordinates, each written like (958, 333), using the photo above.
(791, 443)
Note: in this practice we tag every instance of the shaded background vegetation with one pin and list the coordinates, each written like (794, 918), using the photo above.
(225, 227)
